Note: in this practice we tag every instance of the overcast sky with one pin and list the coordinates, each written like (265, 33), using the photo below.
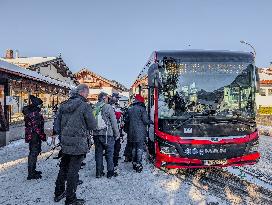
(115, 37)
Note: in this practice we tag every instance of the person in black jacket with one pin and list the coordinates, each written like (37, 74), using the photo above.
(128, 148)
(34, 134)
(138, 122)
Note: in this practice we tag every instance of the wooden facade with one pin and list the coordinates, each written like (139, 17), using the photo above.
(97, 84)
(140, 87)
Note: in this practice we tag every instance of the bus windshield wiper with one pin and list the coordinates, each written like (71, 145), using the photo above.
(207, 119)
(244, 121)
(180, 121)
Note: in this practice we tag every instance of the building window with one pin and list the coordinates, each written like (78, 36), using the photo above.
(270, 92)
(262, 92)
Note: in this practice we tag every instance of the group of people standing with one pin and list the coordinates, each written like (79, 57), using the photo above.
(74, 121)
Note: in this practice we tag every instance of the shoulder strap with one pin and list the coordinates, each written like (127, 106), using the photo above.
(98, 109)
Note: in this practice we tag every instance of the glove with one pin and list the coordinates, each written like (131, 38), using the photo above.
(122, 137)
(117, 138)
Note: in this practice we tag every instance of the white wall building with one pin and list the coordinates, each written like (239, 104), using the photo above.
(264, 97)
(52, 67)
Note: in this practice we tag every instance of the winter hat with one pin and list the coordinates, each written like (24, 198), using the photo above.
(139, 98)
(101, 96)
(35, 101)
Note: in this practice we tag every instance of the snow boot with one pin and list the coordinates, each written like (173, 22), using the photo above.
(76, 202)
(79, 182)
(34, 176)
(100, 174)
(38, 172)
(134, 166)
(116, 171)
(110, 174)
(139, 168)
(60, 197)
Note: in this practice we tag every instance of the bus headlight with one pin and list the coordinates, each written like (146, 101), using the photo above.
(168, 150)
(254, 146)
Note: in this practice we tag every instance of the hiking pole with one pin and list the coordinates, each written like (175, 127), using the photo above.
(52, 151)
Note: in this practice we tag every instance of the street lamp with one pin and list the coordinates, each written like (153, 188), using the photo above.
(242, 41)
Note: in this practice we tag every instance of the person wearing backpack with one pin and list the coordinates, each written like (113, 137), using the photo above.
(105, 135)
(76, 120)
(119, 117)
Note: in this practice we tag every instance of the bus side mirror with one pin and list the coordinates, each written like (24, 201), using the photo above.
(153, 76)
(156, 83)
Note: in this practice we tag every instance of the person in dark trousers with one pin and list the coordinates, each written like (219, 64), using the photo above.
(76, 121)
(128, 148)
(34, 134)
(138, 122)
(117, 145)
(105, 135)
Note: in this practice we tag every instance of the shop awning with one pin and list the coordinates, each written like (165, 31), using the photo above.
(16, 70)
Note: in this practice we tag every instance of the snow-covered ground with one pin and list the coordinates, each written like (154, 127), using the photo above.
(265, 164)
(152, 186)
(265, 130)
(263, 169)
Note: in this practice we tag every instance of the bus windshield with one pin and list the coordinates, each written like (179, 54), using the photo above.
(218, 90)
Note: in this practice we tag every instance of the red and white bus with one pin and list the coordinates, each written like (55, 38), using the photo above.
(203, 107)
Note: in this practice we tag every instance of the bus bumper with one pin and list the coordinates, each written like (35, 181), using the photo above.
(173, 162)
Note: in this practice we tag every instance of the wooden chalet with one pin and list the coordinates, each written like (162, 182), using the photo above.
(47, 78)
(53, 67)
(98, 83)
(140, 87)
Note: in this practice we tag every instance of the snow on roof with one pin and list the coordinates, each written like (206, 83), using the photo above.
(11, 68)
(28, 61)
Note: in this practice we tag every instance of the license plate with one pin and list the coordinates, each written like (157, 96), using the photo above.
(214, 162)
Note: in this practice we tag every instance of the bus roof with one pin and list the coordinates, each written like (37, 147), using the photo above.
(206, 55)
